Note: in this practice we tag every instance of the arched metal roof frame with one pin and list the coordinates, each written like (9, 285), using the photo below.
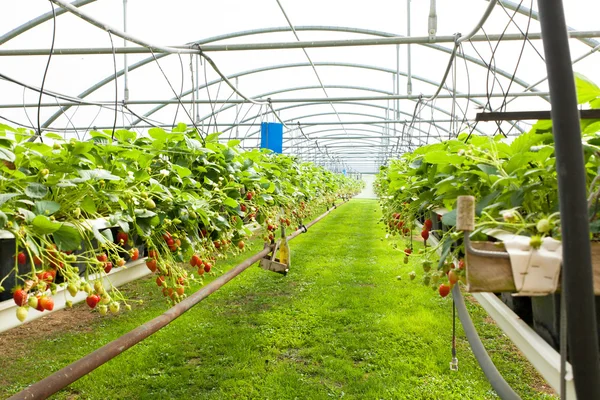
(391, 128)
(148, 60)
(327, 138)
(508, 4)
(297, 65)
(263, 95)
(350, 103)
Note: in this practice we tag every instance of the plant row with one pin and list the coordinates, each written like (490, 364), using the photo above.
(514, 182)
(73, 209)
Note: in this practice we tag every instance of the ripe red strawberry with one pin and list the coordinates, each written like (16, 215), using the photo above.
(122, 238)
(21, 258)
(47, 303)
(92, 300)
(249, 195)
(207, 267)
(444, 290)
(108, 267)
(408, 251)
(195, 260)
(47, 276)
(152, 253)
(242, 207)
(217, 244)
(37, 261)
(425, 234)
(428, 224)
(102, 257)
(151, 264)
(39, 304)
(134, 254)
(20, 297)
(167, 236)
(160, 280)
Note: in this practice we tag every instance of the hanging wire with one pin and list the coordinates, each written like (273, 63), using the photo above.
(39, 110)
(504, 104)
(180, 92)
(112, 137)
(253, 121)
(210, 103)
(68, 120)
(91, 123)
(311, 64)
(178, 98)
(25, 109)
(519, 28)
(468, 89)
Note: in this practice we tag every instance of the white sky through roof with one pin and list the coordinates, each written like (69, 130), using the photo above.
(180, 21)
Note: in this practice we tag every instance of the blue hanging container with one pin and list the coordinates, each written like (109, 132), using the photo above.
(271, 136)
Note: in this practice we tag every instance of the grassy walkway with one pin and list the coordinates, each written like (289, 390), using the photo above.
(339, 325)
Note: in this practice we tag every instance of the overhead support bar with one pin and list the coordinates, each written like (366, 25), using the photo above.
(292, 100)
(291, 45)
(526, 115)
(40, 20)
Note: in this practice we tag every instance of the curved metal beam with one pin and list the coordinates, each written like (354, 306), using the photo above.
(535, 15)
(350, 103)
(357, 104)
(347, 113)
(291, 120)
(39, 20)
(145, 61)
(334, 136)
(227, 107)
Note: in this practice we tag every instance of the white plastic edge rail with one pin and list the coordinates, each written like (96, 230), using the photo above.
(118, 277)
(132, 271)
(540, 354)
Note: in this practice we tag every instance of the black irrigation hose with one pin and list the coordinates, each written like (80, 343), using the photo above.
(501, 387)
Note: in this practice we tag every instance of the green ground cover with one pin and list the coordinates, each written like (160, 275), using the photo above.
(339, 325)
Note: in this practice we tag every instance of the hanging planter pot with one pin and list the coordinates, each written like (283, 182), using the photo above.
(513, 268)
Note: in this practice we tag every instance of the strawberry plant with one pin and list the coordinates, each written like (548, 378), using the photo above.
(76, 210)
(514, 182)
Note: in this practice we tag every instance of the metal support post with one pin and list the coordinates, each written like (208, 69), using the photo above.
(577, 263)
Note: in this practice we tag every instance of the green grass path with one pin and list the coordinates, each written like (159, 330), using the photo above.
(339, 325)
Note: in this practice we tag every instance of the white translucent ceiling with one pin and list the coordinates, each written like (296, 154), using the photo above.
(362, 141)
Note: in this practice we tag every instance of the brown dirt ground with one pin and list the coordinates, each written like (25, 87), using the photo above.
(16, 340)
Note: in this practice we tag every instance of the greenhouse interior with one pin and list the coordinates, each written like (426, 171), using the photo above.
(279, 199)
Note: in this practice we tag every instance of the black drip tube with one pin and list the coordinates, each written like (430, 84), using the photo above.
(501, 387)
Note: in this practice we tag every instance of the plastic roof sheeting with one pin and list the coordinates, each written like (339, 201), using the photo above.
(353, 132)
